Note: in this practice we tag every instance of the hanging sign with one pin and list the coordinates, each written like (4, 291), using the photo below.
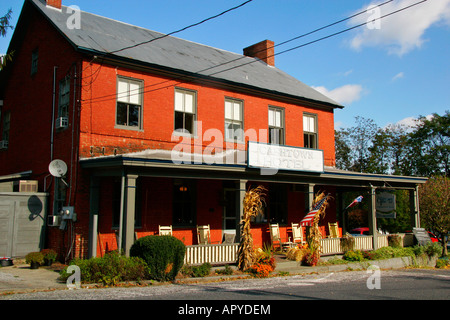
(272, 156)
(385, 205)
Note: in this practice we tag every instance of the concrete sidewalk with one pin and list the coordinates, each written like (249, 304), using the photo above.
(19, 278)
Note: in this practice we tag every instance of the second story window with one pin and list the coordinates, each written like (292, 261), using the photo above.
(64, 96)
(129, 103)
(185, 110)
(6, 127)
(310, 131)
(234, 124)
(276, 125)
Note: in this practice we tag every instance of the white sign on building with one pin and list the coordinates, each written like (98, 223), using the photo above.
(271, 156)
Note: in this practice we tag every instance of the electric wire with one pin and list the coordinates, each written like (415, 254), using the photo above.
(158, 38)
(113, 96)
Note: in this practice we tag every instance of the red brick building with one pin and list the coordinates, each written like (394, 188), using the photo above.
(156, 130)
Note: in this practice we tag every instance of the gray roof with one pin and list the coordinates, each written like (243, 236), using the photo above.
(103, 35)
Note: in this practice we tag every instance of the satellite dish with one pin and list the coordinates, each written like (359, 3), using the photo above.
(57, 168)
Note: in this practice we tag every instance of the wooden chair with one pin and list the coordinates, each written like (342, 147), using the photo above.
(333, 230)
(228, 238)
(276, 237)
(165, 230)
(297, 234)
(204, 235)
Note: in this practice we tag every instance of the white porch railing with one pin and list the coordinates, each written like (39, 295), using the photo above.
(227, 253)
(212, 253)
(333, 245)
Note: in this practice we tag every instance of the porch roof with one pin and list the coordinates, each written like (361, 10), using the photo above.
(232, 165)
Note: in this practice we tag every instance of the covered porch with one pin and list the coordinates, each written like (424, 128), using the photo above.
(148, 188)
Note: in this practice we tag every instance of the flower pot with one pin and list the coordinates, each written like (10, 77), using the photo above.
(34, 265)
(6, 262)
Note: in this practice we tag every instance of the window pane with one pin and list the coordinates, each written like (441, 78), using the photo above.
(122, 94)
(237, 111)
(133, 119)
(271, 118)
(278, 118)
(179, 120)
(134, 93)
(312, 126)
(179, 101)
(305, 123)
(189, 123)
(229, 132)
(238, 132)
(122, 110)
(189, 102)
(228, 110)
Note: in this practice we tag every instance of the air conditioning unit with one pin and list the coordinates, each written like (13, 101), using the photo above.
(53, 221)
(4, 144)
(62, 122)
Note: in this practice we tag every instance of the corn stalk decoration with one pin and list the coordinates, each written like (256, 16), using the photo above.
(253, 204)
(314, 234)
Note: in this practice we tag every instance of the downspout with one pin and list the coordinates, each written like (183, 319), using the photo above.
(73, 131)
(53, 112)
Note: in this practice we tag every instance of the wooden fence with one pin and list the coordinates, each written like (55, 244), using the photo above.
(227, 253)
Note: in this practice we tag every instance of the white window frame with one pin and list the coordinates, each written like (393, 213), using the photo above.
(234, 116)
(129, 92)
(64, 98)
(276, 122)
(185, 105)
(310, 129)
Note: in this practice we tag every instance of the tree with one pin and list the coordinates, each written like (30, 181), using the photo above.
(434, 201)
(343, 151)
(4, 26)
(429, 146)
(361, 136)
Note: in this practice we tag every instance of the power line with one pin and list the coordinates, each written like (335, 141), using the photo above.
(171, 33)
(182, 29)
(105, 97)
(325, 37)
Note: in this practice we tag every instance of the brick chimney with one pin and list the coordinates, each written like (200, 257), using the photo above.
(263, 50)
(54, 3)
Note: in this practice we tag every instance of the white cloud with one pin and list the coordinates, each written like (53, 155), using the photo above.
(344, 95)
(398, 76)
(403, 31)
(410, 122)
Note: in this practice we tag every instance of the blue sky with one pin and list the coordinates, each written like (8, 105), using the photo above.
(389, 72)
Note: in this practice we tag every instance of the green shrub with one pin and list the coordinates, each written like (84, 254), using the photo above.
(442, 263)
(196, 271)
(226, 271)
(395, 241)
(109, 270)
(433, 249)
(36, 257)
(164, 256)
(353, 255)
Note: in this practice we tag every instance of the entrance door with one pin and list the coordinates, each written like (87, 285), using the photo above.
(230, 216)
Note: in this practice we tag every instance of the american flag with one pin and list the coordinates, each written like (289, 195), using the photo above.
(306, 221)
(356, 201)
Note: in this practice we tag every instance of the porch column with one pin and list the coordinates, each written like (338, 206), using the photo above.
(414, 207)
(373, 218)
(309, 200)
(242, 187)
(93, 216)
(129, 213)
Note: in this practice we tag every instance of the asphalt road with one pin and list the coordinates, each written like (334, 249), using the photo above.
(403, 284)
